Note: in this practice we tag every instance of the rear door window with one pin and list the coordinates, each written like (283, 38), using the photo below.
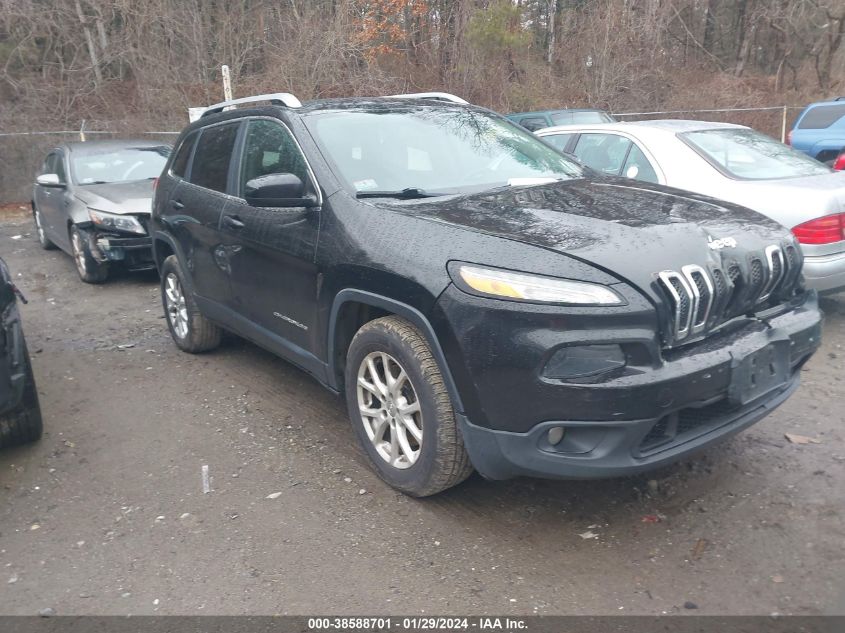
(822, 116)
(606, 153)
(210, 168)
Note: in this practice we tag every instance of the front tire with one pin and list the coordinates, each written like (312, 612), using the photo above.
(401, 410)
(190, 330)
(43, 240)
(23, 424)
(90, 270)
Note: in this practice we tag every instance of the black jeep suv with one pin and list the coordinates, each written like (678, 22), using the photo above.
(481, 300)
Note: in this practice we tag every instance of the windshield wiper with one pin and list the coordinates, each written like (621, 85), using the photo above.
(409, 193)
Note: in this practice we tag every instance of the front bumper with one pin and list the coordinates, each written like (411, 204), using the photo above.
(689, 398)
(825, 273)
(136, 253)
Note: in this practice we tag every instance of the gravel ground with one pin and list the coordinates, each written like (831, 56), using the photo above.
(107, 515)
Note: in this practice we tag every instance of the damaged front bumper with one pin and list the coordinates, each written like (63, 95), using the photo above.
(689, 398)
(135, 253)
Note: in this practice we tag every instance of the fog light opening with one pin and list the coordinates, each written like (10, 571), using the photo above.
(555, 435)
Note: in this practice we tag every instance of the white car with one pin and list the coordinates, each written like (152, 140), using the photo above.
(730, 162)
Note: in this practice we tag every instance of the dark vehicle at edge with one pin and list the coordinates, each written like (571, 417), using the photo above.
(523, 318)
(20, 412)
(92, 199)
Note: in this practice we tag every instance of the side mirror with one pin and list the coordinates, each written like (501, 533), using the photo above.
(277, 190)
(49, 180)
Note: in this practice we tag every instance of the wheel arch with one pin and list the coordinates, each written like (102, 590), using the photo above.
(347, 305)
(164, 246)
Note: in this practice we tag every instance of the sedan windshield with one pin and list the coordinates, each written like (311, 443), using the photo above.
(434, 151)
(747, 154)
(119, 165)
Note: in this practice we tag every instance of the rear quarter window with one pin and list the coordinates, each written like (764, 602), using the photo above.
(180, 162)
(821, 116)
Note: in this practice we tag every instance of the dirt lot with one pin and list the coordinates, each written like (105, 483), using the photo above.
(106, 515)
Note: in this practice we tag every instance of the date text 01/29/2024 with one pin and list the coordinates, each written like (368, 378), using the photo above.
(415, 623)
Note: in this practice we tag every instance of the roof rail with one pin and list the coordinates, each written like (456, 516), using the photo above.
(442, 96)
(277, 98)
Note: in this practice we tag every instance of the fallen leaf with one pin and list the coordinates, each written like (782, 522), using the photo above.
(650, 518)
(698, 548)
(588, 534)
(801, 439)
(777, 578)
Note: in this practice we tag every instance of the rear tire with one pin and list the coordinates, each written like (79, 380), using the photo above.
(401, 410)
(90, 270)
(43, 240)
(190, 330)
(23, 424)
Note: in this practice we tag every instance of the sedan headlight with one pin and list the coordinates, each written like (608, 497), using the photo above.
(116, 222)
(519, 286)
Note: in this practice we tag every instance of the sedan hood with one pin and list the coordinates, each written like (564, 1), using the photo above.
(635, 231)
(120, 197)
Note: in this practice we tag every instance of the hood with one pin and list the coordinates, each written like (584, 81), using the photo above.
(635, 231)
(133, 197)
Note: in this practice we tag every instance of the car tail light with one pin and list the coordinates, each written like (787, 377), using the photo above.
(839, 163)
(824, 230)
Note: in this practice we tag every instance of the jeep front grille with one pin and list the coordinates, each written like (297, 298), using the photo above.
(699, 297)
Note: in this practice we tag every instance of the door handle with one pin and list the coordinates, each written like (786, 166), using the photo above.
(177, 205)
(233, 222)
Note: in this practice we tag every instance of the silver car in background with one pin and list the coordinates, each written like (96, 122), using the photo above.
(93, 201)
(730, 162)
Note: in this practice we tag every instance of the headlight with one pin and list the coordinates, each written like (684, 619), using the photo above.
(116, 222)
(519, 286)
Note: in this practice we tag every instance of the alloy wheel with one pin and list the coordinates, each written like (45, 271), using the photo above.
(177, 310)
(38, 226)
(390, 410)
(79, 253)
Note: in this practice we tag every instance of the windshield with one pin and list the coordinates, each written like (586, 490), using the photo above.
(119, 165)
(437, 149)
(750, 155)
